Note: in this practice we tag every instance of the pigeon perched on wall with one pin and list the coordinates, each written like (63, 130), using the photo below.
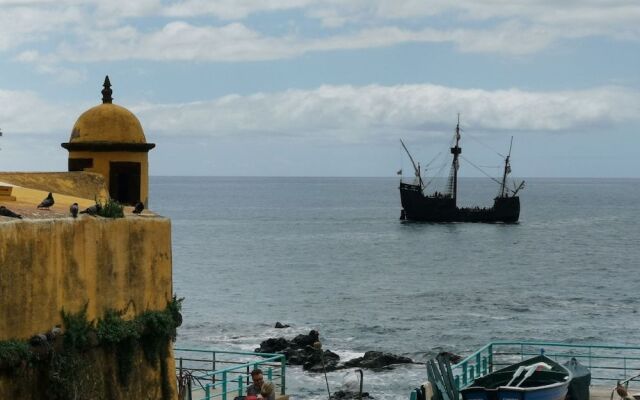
(4, 211)
(138, 208)
(48, 202)
(93, 210)
(74, 210)
(38, 340)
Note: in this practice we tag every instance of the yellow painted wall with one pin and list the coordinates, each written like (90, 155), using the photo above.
(53, 264)
(50, 264)
(77, 184)
(101, 162)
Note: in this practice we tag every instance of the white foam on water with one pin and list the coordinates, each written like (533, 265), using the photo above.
(346, 355)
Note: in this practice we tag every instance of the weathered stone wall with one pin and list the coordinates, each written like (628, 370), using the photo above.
(54, 264)
(97, 379)
(48, 265)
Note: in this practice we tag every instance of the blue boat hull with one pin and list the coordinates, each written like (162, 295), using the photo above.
(542, 385)
(553, 393)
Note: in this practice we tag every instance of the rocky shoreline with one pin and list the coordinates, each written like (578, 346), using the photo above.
(306, 350)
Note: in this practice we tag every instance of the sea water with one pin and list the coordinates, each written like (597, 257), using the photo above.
(331, 254)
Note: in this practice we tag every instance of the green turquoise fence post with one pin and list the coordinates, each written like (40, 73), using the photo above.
(464, 373)
(456, 379)
(478, 363)
(207, 391)
(224, 385)
(270, 374)
(283, 372)
(414, 395)
(491, 358)
(484, 365)
(213, 366)
(240, 388)
(471, 373)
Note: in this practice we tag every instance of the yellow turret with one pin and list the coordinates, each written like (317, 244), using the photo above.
(108, 139)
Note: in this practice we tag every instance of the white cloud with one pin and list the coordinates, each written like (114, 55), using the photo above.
(231, 9)
(20, 25)
(350, 113)
(49, 65)
(25, 112)
(118, 30)
(236, 42)
(373, 113)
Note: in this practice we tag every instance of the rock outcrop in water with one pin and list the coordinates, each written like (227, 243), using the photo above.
(376, 360)
(301, 351)
(453, 358)
(306, 350)
(347, 395)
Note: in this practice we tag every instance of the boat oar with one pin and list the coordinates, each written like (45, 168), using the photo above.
(516, 374)
(533, 368)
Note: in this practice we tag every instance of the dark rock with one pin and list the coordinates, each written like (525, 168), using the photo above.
(281, 326)
(306, 340)
(300, 351)
(347, 395)
(376, 360)
(453, 358)
(313, 361)
(273, 345)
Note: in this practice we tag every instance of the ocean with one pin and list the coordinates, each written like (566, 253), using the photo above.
(331, 254)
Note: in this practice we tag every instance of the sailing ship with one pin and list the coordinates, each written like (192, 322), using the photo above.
(442, 206)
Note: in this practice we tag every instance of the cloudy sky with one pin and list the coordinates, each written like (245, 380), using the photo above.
(328, 87)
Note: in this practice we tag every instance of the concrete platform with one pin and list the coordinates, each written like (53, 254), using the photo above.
(602, 393)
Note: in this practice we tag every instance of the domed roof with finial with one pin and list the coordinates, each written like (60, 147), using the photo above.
(108, 127)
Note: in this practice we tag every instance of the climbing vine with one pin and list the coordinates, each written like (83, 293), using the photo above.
(13, 353)
(68, 367)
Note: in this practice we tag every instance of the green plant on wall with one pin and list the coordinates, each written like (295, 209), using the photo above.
(76, 330)
(70, 369)
(110, 209)
(13, 353)
(69, 372)
(120, 336)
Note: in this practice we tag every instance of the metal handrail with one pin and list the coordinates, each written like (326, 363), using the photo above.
(231, 379)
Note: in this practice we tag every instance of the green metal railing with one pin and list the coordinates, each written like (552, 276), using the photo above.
(223, 375)
(607, 363)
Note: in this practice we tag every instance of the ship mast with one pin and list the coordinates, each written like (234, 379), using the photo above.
(507, 170)
(456, 150)
(416, 168)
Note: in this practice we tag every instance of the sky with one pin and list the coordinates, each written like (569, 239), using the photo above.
(328, 87)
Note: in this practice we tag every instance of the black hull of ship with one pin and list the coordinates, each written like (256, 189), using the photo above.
(418, 207)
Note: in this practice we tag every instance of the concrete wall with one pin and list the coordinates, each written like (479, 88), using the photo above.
(47, 265)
